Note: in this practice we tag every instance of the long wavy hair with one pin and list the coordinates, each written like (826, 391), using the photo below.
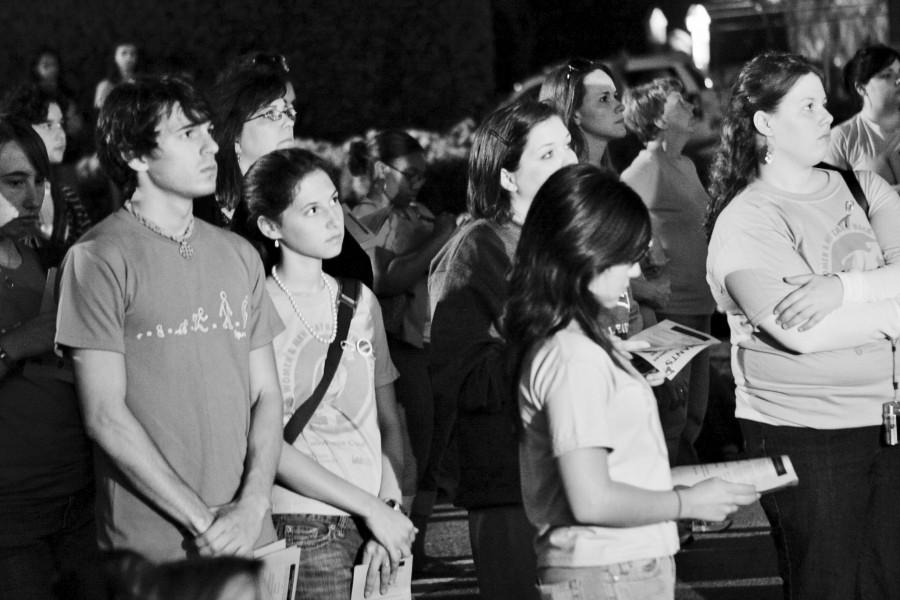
(498, 144)
(582, 221)
(760, 86)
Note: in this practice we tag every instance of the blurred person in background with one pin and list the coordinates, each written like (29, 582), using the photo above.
(668, 184)
(405, 238)
(870, 140)
(123, 66)
(514, 151)
(47, 73)
(64, 218)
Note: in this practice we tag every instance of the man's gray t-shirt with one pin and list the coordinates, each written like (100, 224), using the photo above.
(186, 328)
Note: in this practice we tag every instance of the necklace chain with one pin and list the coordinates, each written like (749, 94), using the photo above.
(184, 247)
(331, 293)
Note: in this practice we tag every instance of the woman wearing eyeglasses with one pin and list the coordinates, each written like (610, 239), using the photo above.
(870, 140)
(405, 237)
(254, 104)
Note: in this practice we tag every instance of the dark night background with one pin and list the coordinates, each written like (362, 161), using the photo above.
(359, 64)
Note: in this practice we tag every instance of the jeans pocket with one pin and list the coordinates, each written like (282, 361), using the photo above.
(309, 536)
(563, 590)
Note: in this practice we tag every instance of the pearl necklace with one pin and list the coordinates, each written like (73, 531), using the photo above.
(184, 247)
(332, 294)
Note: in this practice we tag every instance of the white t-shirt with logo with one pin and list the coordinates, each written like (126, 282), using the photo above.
(342, 435)
(770, 234)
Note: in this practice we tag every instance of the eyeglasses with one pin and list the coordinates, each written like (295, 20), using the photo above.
(412, 175)
(275, 114)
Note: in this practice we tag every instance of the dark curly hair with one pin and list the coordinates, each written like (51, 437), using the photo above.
(582, 221)
(760, 86)
(31, 102)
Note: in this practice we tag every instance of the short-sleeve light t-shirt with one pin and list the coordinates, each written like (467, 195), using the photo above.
(769, 234)
(343, 434)
(186, 328)
(572, 396)
(862, 145)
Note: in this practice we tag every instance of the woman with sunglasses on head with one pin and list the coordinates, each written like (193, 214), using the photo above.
(253, 101)
(595, 472)
(585, 94)
(514, 151)
(870, 140)
(813, 365)
(405, 238)
(342, 470)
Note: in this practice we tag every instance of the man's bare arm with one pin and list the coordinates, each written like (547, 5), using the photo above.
(101, 382)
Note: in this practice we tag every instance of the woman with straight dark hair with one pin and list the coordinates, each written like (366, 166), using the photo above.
(48, 546)
(870, 139)
(123, 66)
(341, 471)
(514, 151)
(584, 93)
(812, 363)
(595, 471)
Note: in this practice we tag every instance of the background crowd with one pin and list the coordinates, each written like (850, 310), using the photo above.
(189, 367)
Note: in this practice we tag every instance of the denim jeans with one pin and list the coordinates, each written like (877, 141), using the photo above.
(48, 550)
(330, 547)
(837, 533)
(648, 579)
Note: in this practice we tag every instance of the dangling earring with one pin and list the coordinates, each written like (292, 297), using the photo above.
(767, 156)
(277, 245)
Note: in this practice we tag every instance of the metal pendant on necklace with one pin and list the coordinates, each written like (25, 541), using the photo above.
(184, 246)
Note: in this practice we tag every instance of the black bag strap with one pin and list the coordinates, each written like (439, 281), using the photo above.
(852, 183)
(348, 292)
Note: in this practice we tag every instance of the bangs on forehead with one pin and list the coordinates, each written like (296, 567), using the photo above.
(195, 113)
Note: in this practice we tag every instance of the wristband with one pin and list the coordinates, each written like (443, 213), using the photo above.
(7, 360)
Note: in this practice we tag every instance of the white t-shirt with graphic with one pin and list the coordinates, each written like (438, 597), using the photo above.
(861, 144)
(770, 234)
(343, 434)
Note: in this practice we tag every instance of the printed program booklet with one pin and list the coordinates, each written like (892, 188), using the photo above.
(672, 346)
(280, 566)
(766, 474)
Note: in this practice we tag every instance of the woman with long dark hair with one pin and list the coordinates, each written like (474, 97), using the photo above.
(123, 66)
(514, 151)
(595, 471)
(812, 364)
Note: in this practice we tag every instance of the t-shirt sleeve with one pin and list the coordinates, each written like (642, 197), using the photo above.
(884, 213)
(263, 321)
(573, 377)
(836, 154)
(92, 301)
(755, 248)
(385, 371)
